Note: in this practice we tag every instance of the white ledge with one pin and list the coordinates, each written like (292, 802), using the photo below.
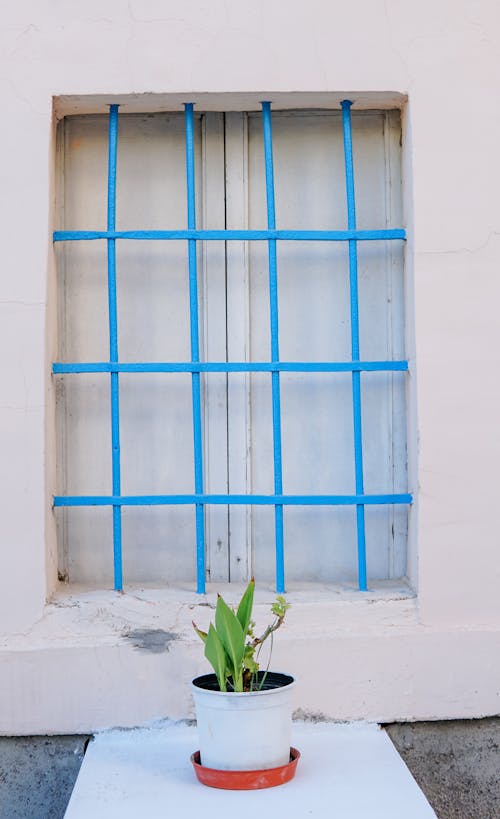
(76, 615)
(350, 771)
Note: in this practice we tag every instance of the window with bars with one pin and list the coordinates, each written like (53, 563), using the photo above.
(231, 378)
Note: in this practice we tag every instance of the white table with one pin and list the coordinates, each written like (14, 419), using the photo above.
(346, 771)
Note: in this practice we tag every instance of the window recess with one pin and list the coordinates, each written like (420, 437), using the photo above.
(231, 373)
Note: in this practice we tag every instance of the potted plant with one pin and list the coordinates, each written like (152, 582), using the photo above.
(243, 712)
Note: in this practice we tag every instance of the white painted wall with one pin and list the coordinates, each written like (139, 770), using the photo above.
(67, 666)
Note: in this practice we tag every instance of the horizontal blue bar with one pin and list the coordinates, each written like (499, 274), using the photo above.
(232, 367)
(239, 235)
(246, 500)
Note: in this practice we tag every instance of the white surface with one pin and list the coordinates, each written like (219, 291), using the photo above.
(346, 771)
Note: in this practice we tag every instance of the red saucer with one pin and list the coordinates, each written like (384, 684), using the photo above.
(245, 780)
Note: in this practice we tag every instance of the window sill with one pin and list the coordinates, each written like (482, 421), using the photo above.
(79, 616)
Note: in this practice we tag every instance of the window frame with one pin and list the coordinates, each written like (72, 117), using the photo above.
(199, 499)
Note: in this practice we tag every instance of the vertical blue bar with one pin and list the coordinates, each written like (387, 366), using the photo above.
(356, 376)
(195, 348)
(275, 376)
(113, 346)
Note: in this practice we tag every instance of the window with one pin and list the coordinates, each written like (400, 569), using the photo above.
(231, 399)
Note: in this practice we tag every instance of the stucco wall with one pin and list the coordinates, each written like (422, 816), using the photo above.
(70, 667)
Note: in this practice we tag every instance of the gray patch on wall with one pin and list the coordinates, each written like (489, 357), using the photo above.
(304, 715)
(154, 640)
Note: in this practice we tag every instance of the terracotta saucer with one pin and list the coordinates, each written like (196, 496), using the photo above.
(245, 780)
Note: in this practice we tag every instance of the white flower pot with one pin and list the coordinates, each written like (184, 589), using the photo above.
(244, 732)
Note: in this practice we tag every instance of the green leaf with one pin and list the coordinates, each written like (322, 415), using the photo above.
(244, 612)
(233, 639)
(249, 661)
(201, 634)
(280, 607)
(216, 656)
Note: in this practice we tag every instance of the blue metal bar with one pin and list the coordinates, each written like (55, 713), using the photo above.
(356, 378)
(229, 235)
(275, 378)
(250, 500)
(195, 349)
(113, 347)
(232, 367)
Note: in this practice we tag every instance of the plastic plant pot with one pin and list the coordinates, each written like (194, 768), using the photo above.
(249, 731)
